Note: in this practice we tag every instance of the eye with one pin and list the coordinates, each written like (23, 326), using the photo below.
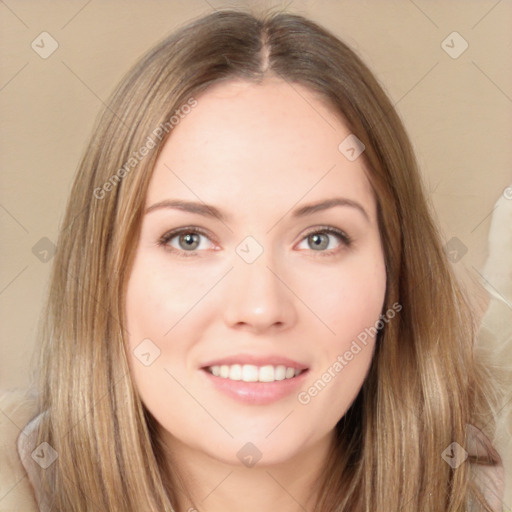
(186, 242)
(183, 241)
(321, 240)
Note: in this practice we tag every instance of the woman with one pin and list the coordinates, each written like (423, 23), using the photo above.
(250, 307)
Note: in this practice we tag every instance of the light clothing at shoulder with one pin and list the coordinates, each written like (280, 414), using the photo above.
(16, 493)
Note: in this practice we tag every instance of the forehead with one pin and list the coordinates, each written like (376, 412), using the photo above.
(258, 144)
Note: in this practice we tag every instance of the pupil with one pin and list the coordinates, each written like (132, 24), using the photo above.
(190, 239)
(317, 241)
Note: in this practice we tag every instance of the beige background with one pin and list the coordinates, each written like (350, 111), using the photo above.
(457, 111)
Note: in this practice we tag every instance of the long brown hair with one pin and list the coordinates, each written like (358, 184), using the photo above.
(424, 386)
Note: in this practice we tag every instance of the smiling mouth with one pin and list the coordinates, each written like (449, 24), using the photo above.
(253, 373)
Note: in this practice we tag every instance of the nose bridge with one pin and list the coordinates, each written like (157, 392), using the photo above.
(256, 296)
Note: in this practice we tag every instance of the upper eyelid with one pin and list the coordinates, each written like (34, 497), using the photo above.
(169, 235)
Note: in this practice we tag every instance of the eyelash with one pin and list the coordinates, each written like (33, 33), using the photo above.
(167, 237)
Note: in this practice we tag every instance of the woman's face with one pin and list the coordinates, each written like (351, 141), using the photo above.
(246, 317)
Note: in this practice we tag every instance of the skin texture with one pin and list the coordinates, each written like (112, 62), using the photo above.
(257, 152)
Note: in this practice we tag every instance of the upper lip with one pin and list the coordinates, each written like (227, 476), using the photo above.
(256, 360)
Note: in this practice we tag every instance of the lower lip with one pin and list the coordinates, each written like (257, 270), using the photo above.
(256, 393)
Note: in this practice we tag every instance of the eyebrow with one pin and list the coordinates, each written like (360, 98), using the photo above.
(213, 212)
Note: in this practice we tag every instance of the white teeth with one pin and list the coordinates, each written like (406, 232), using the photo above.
(235, 372)
(280, 372)
(266, 374)
(252, 373)
(249, 373)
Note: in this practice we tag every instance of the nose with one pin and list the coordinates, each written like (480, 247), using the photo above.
(258, 299)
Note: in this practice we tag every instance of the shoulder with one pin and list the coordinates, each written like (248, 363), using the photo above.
(486, 468)
(16, 493)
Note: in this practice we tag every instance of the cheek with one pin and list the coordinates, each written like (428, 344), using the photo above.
(349, 302)
(166, 318)
(347, 298)
(154, 307)
(159, 297)
(331, 390)
(156, 304)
